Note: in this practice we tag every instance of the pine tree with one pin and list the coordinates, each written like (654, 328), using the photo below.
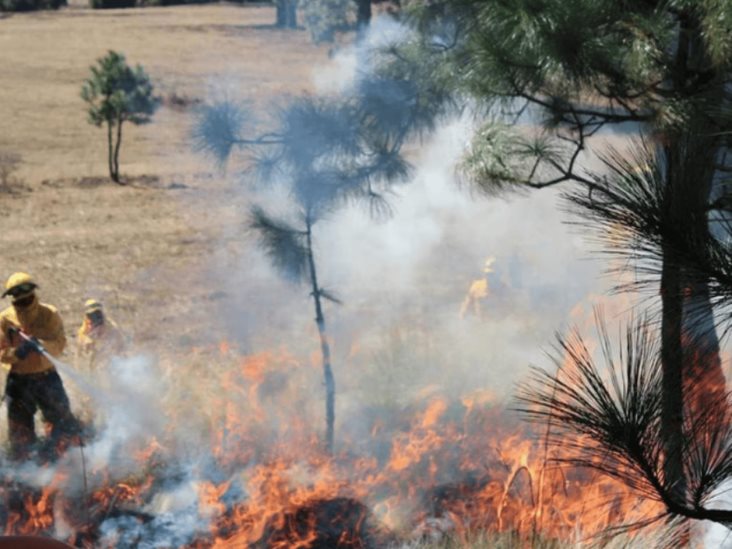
(117, 93)
(328, 152)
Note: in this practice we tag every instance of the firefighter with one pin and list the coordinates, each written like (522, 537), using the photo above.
(478, 292)
(98, 338)
(27, 328)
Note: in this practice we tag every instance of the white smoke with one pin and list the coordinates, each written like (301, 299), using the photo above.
(339, 74)
(130, 411)
(423, 259)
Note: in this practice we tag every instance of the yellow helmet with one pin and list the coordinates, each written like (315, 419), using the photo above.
(488, 265)
(19, 285)
(91, 305)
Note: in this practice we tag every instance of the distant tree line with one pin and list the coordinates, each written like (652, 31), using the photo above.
(116, 4)
(30, 5)
(323, 18)
(33, 5)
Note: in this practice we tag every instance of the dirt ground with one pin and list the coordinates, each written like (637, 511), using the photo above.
(141, 248)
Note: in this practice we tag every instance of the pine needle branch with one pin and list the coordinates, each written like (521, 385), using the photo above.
(284, 244)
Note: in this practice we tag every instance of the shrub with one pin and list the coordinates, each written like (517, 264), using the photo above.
(30, 5)
(9, 164)
(111, 4)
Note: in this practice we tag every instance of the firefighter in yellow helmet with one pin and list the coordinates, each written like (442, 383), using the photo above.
(27, 329)
(478, 292)
(98, 338)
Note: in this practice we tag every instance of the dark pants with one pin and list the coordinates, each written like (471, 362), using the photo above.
(25, 395)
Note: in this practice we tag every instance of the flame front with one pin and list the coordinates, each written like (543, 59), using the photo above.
(260, 478)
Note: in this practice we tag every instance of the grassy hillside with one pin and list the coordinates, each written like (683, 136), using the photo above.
(142, 248)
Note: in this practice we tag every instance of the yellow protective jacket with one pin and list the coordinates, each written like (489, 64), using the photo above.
(478, 291)
(37, 320)
(103, 341)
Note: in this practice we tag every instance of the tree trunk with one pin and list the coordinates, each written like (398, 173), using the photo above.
(363, 15)
(281, 17)
(672, 406)
(291, 14)
(116, 150)
(702, 362)
(110, 150)
(329, 380)
(689, 344)
(286, 17)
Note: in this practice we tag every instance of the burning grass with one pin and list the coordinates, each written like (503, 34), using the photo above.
(233, 458)
(481, 540)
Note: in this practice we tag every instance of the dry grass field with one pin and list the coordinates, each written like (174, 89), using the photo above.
(194, 52)
(144, 247)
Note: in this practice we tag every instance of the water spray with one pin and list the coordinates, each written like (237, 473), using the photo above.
(64, 368)
(39, 348)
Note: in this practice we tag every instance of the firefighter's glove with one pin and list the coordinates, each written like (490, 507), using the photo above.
(26, 348)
